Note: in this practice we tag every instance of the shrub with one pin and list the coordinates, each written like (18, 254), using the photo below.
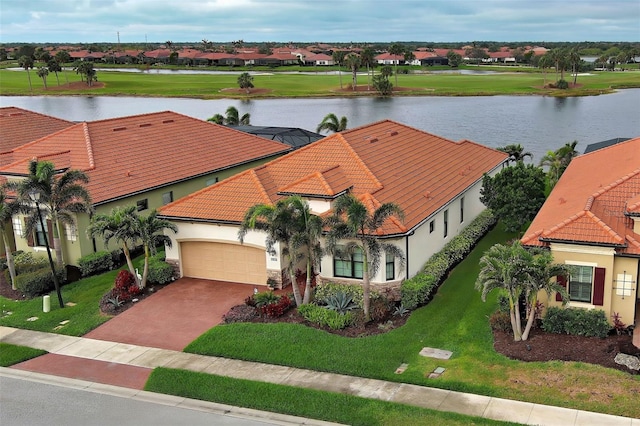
(278, 308)
(325, 317)
(562, 84)
(400, 311)
(418, 290)
(379, 309)
(327, 290)
(95, 263)
(125, 287)
(500, 321)
(340, 302)
(39, 281)
(264, 298)
(577, 322)
(160, 272)
(240, 313)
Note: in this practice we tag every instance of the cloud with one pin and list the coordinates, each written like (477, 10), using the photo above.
(314, 21)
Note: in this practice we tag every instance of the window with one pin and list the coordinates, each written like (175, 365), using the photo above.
(348, 265)
(461, 209)
(167, 197)
(432, 226)
(446, 223)
(580, 284)
(17, 226)
(40, 235)
(142, 205)
(390, 266)
(71, 231)
(211, 181)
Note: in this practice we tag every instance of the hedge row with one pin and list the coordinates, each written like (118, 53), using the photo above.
(39, 282)
(420, 289)
(577, 322)
(95, 263)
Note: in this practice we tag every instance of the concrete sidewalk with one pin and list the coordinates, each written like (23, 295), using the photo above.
(437, 399)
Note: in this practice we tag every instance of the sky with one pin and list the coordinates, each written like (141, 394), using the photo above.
(314, 21)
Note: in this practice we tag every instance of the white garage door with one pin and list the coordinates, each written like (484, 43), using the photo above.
(224, 262)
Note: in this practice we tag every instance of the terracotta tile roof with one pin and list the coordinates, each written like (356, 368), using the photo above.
(593, 201)
(19, 126)
(127, 155)
(382, 162)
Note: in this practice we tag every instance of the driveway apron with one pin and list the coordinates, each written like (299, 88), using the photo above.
(175, 315)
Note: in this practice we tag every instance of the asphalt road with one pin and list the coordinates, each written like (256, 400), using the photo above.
(25, 402)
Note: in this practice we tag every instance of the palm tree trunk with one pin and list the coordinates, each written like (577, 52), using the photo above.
(530, 319)
(518, 321)
(366, 286)
(57, 244)
(10, 264)
(514, 312)
(145, 270)
(29, 77)
(294, 286)
(307, 287)
(127, 256)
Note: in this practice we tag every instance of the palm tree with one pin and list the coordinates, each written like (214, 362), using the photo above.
(279, 223)
(61, 197)
(27, 63)
(150, 229)
(54, 67)
(217, 118)
(554, 162)
(367, 59)
(540, 277)
(8, 208)
(573, 57)
(307, 236)
(43, 72)
(233, 117)
(567, 153)
(61, 58)
(545, 62)
(396, 49)
(354, 222)
(516, 152)
(503, 267)
(331, 123)
(245, 81)
(121, 225)
(338, 58)
(352, 61)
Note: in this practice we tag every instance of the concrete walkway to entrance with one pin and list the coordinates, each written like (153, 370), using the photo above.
(437, 399)
(176, 315)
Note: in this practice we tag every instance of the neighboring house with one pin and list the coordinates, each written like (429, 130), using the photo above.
(603, 144)
(20, 126)
(434, 180)
(591, 220)
(146, 160)
(295, 137)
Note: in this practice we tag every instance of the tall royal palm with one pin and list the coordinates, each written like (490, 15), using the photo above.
(397, 50)
(352, 228)
(151, 232)
(352, 61)
(61, 197)
(338, 58)
(27, 63)
(120, 225)
(279, 223)
(306, 238)
(367, 59)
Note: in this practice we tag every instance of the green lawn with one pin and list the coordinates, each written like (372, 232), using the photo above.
(13, 354)
(301, 85)
(346, 409)
(455, 320)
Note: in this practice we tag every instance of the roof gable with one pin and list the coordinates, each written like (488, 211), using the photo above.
(20, 126)
(388, 161)
(592, 201)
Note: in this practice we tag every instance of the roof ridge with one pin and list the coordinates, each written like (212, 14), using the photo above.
(87, 138)
(35, 112)
(260, 186)
(359, 160)
(604, 226)
(616, 183)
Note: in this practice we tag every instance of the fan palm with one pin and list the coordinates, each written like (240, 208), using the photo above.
(352, 221)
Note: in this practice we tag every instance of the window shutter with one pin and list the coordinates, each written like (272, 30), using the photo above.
(29, 235)
(563, 282)
(598, 286)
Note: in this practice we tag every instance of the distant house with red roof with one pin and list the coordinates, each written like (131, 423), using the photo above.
(434, 180)
(145, 160)
(591, 221)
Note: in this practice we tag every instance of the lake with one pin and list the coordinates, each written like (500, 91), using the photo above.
(539, 123)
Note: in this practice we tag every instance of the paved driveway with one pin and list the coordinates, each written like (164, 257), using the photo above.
(175, 315)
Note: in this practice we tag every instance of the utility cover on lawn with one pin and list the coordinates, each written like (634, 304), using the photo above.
(436, 353)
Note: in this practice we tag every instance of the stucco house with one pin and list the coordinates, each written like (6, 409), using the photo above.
(434, 180)
(591, 220)
(146, 160)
